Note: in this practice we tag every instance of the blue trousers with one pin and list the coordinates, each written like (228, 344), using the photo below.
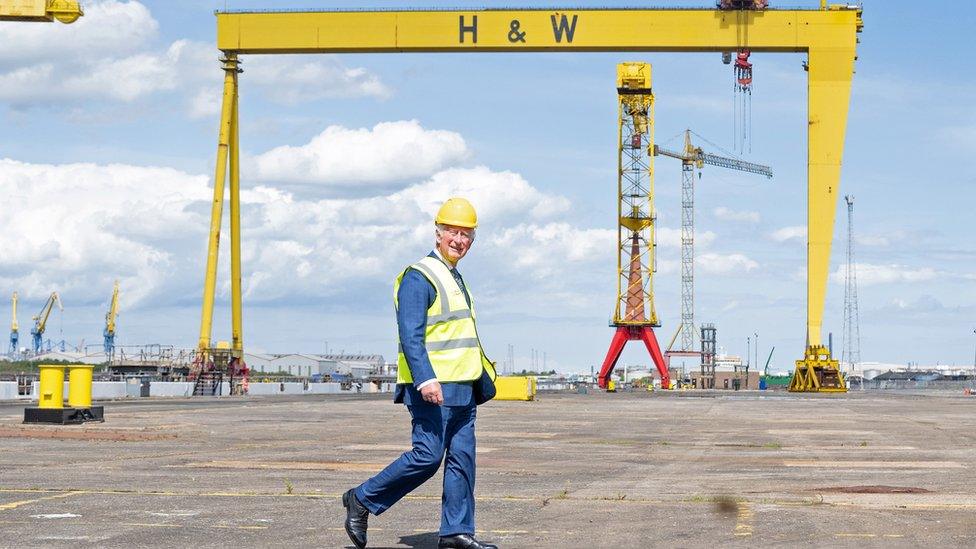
(438, 431)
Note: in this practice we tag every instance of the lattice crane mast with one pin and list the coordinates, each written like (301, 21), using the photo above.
(43, 11)
(634, 316)
(110, 317)
(14, 328)
(695, 158)
(40, 320)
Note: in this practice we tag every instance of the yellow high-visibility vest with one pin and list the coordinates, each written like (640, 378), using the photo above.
(451, 338)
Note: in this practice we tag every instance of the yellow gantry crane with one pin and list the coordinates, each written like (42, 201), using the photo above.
(45, 11)
(14, 328)
(827, 35)
(110, 317)
(40, 320)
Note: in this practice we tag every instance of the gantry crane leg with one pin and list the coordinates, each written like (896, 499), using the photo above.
(227, 153)
(830, 72)
(620, 338)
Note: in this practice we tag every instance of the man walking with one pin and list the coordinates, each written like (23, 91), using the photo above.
(440, 358)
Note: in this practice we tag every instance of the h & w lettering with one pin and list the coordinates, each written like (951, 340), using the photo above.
(564, 27)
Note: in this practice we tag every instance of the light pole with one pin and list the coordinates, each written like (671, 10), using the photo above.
(756, 334)
(748, 358)
(974, 359)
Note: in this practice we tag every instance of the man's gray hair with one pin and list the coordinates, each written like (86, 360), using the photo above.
(438, 227)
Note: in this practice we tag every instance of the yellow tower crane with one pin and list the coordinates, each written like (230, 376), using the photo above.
(634, 315)
(14, 331)
(110, 316)
(44, 11)
(40, 320)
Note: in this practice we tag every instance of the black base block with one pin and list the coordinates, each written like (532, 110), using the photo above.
(64, 416)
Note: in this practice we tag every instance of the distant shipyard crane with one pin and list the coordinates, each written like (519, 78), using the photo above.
(634, 316)
(14, 331)
(694, 158)
(40, 321)
(110, 317)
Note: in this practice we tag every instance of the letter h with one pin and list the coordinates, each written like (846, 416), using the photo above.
(473, 29)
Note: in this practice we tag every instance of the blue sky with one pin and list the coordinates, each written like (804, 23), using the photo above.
(109, 135)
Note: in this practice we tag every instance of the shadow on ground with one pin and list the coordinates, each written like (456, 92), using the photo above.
(427, 540)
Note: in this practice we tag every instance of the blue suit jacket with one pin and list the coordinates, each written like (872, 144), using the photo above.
(415, 296)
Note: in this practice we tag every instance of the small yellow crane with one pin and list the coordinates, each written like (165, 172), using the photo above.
(14, 332)
(110, 316)
(44, 11)
(40, 320)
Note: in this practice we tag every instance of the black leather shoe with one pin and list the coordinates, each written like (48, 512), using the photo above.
(356, 519)
(462, 541)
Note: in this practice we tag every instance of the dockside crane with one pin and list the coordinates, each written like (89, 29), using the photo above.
(40, 320)
(634, 316)
(14, 331)
(110, 316)
(693, 158)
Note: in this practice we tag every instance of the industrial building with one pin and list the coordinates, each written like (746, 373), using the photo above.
(358, 366)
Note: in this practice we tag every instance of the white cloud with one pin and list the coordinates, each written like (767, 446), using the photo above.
(109, 56)
(147, 226)
(785, 234)
(546, 250)
(310, 79)
(730, 306)
(872, 240)
(671, 238)
(203, 104)
(869, 274)
(713, 263)
(109, 28)
(390, 151)
(726, 214)
(497, 196)
(119, 79)
(106, 222)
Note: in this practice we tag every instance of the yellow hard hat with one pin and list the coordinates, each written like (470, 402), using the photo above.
(458, 212)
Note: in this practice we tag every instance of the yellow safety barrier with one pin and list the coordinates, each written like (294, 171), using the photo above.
(50, 394)
(80, 385)
(515, 388)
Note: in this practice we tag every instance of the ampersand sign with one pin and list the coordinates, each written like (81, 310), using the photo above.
(513, 34)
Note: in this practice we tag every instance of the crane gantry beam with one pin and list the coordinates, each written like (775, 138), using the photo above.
(827, 35)
(43, 11)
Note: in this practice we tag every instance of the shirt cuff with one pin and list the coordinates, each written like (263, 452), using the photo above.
(426, 383)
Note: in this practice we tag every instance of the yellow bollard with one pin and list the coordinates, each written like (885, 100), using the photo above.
(50, 393)
(80, 385)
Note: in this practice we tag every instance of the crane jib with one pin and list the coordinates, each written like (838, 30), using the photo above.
(736, 164)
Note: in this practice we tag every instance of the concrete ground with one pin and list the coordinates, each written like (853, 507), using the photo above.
(595, 470)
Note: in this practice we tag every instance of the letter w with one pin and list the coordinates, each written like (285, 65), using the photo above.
(563, 27)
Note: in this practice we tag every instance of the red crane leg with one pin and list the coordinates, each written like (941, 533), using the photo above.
(650, 341)
(620, 338)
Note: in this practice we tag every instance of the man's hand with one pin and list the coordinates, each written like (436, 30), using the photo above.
(432, 393)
